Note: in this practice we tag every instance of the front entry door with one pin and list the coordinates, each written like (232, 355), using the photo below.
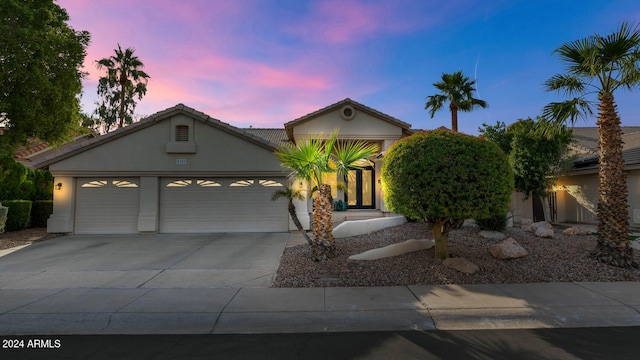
(361, 189)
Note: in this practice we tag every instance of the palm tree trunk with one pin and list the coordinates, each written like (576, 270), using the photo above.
(296, 221)
(323, 247)
(613, 227)
(454, 117)
(123, 83)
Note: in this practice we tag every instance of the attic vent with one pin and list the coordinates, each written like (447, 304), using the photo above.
(348, 112)
(182, 133)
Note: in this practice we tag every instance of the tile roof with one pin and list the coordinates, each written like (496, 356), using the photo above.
(586, 146)
(277, 137)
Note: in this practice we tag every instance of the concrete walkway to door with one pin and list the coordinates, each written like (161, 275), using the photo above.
(146, 261)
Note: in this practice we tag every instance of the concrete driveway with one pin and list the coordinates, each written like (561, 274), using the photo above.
(146, 261)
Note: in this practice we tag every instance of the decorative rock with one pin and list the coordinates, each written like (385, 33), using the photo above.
(578, 230)
(542, 229)
(509, 219)
(635, 244)
(460, 264)
(470, 223)
(525, 224)
(394, 249)
(496, 235)
(508, 249)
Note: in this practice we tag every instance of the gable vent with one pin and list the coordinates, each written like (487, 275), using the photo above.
(348, 112)
(182, 133)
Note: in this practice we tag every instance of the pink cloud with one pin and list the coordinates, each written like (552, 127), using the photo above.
(342, 22)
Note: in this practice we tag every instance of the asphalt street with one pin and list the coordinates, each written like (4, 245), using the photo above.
(567, 343)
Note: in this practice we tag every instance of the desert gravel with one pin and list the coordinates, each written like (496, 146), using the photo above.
(559, 259)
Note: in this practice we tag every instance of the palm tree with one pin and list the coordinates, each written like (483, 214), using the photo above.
(309, 160)
(601, 65)
(290, 194)
(125, 80)
(458, 90)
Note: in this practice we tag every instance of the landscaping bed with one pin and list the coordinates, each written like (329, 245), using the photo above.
(10, 239)
(559, 259)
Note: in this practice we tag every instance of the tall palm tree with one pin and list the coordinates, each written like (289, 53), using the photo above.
(458, 90)
(309, 160)
(290, 194)
(601, 65)
(124, 80)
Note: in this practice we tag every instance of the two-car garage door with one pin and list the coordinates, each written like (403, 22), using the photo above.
(221, 205)
(187, 205)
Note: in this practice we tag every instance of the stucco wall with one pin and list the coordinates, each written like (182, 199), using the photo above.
(217, 152)
(579, 198)
(362, 126)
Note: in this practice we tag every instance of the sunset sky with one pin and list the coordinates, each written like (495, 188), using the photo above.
(262, 63)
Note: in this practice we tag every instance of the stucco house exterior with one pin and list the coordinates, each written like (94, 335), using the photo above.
(575, 194)
(182, 171)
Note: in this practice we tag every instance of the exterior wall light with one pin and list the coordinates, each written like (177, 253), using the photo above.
(58, 186)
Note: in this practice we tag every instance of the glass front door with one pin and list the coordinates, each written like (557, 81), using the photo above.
(361, 189)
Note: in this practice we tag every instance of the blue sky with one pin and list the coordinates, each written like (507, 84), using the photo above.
(266, 62)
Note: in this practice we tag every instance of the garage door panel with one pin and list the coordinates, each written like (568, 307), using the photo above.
(107, 206)
(221, 205)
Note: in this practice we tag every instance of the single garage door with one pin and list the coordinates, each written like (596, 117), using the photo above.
(107, 206)
(196, 205)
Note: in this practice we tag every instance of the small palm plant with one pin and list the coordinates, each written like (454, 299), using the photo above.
(290, 194)
(309, 160)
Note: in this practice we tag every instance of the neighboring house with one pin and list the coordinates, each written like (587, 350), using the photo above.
(36, 149)
(576, 193)
(181, 171)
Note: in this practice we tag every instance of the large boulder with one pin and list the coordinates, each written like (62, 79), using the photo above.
(461, 264)
(542, 229)
(576, 230)
(508, 249)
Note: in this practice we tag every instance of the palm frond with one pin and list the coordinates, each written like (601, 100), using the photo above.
(569, 85)
(352, 155)
(287, 193)
(568, 110)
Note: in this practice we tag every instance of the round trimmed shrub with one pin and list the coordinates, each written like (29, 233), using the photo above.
(445, 177)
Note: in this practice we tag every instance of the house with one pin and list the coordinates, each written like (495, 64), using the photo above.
(575, 195)
(182, 171)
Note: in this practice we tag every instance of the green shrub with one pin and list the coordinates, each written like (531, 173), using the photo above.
(40, 212)
(41, 185)
(18, 215)
(494, 223)
(3, 217)
(446, 177)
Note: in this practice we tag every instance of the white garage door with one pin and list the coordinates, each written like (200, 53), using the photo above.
(194, 205)
(107, 206)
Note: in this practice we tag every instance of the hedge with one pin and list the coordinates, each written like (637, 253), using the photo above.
(40, 212)
(19, 214)
(3, 217)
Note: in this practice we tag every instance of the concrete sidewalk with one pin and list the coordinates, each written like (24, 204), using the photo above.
(336, 309)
